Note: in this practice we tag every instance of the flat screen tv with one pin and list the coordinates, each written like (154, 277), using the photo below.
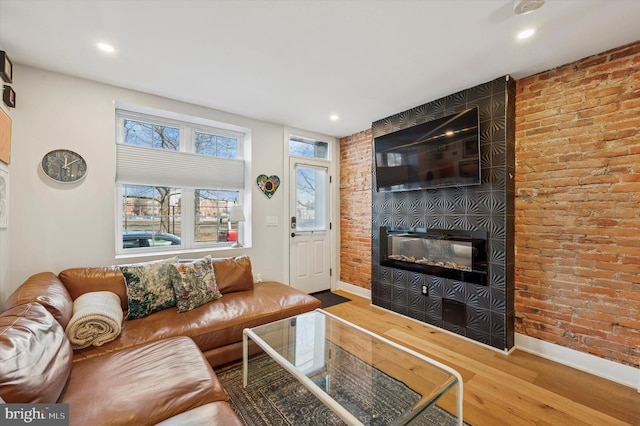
(440, 153)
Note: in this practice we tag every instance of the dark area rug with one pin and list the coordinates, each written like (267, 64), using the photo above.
(274, 397)
(329, 299)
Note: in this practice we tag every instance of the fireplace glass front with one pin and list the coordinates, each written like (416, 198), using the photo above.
(459, 255)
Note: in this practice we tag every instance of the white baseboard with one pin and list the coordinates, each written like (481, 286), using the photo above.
(353, 289)
(616, 372)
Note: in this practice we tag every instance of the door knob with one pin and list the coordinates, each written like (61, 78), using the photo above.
(293, 234)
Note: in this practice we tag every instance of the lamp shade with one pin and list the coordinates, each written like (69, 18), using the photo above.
(236, 214)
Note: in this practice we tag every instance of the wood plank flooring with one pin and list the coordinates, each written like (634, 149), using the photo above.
(500, 389)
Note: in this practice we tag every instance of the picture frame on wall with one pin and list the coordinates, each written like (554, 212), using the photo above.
(6, 67)
(4, 198)
(9, 96)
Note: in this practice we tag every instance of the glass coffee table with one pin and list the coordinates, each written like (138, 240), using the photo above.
(362, 377)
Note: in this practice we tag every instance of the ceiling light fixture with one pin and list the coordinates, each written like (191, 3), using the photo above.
(334, 117)
(526, 33)
(105, 47)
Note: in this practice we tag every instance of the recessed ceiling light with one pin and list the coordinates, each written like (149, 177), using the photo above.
(334, 117)
(526, 33)
(105, 47)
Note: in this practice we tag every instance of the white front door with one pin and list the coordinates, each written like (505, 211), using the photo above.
(310, 247)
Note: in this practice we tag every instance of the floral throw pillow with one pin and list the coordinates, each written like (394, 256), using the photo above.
(149, 286)
(197, 284)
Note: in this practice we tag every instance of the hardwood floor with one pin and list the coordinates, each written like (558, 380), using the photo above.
(500, 389)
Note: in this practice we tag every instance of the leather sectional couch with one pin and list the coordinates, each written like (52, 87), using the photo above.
(157, 371)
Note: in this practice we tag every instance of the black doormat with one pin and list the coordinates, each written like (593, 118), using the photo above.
(329, 299)
(274, 397)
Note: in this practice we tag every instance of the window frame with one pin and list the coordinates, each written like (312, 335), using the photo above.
(295, 137)
(187, 127)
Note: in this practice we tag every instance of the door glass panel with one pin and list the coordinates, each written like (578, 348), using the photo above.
(311, 188)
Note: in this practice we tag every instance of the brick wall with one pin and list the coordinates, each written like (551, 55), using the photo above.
(578, 205)
(355, 209)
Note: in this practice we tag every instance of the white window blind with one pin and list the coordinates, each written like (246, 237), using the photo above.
(156, 167)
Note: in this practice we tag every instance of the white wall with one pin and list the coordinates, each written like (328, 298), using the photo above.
(55, 227)
(5, 232)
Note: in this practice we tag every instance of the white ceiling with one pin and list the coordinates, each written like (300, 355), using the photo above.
(297, 62)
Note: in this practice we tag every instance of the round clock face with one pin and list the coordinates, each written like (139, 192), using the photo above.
(64, 166)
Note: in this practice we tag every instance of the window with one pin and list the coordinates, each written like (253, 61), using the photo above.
(212, 216)
(176, 182)
(303, 147)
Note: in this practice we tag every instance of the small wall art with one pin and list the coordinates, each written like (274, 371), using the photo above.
(268, 184)
(9, 96)
(6, 67)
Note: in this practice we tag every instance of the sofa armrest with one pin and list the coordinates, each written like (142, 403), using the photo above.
(46, 289)
(35, 355)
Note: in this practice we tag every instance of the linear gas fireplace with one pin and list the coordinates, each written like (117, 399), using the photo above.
(457, 255)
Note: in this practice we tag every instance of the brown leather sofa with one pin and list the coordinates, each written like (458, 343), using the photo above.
(158, 370)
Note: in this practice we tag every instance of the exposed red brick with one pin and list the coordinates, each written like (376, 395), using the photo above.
(577, 206)
(355, 209)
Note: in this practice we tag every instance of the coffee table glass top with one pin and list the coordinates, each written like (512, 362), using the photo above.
(362, 377)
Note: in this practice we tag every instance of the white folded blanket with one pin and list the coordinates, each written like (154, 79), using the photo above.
(96, 320)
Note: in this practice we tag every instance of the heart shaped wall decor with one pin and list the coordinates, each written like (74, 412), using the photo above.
(268, 184)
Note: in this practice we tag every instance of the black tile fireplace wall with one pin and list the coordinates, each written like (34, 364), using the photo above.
(488, 310)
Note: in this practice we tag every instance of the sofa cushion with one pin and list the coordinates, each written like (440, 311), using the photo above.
(213, 325)
(213, 414)
(197, 284)
(149, 286)
(44, 288)
(233, 273)
(143, 385)
(35, 355)
(79, 281)
(161, 325)
(221, 323)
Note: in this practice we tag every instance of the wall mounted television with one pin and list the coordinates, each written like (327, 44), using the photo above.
(444, 152)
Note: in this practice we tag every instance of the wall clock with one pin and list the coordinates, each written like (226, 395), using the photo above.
(63, 165)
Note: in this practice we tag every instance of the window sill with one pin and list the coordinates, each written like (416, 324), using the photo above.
(169, 253)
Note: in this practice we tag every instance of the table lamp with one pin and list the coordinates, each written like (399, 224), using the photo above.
(236, 215)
